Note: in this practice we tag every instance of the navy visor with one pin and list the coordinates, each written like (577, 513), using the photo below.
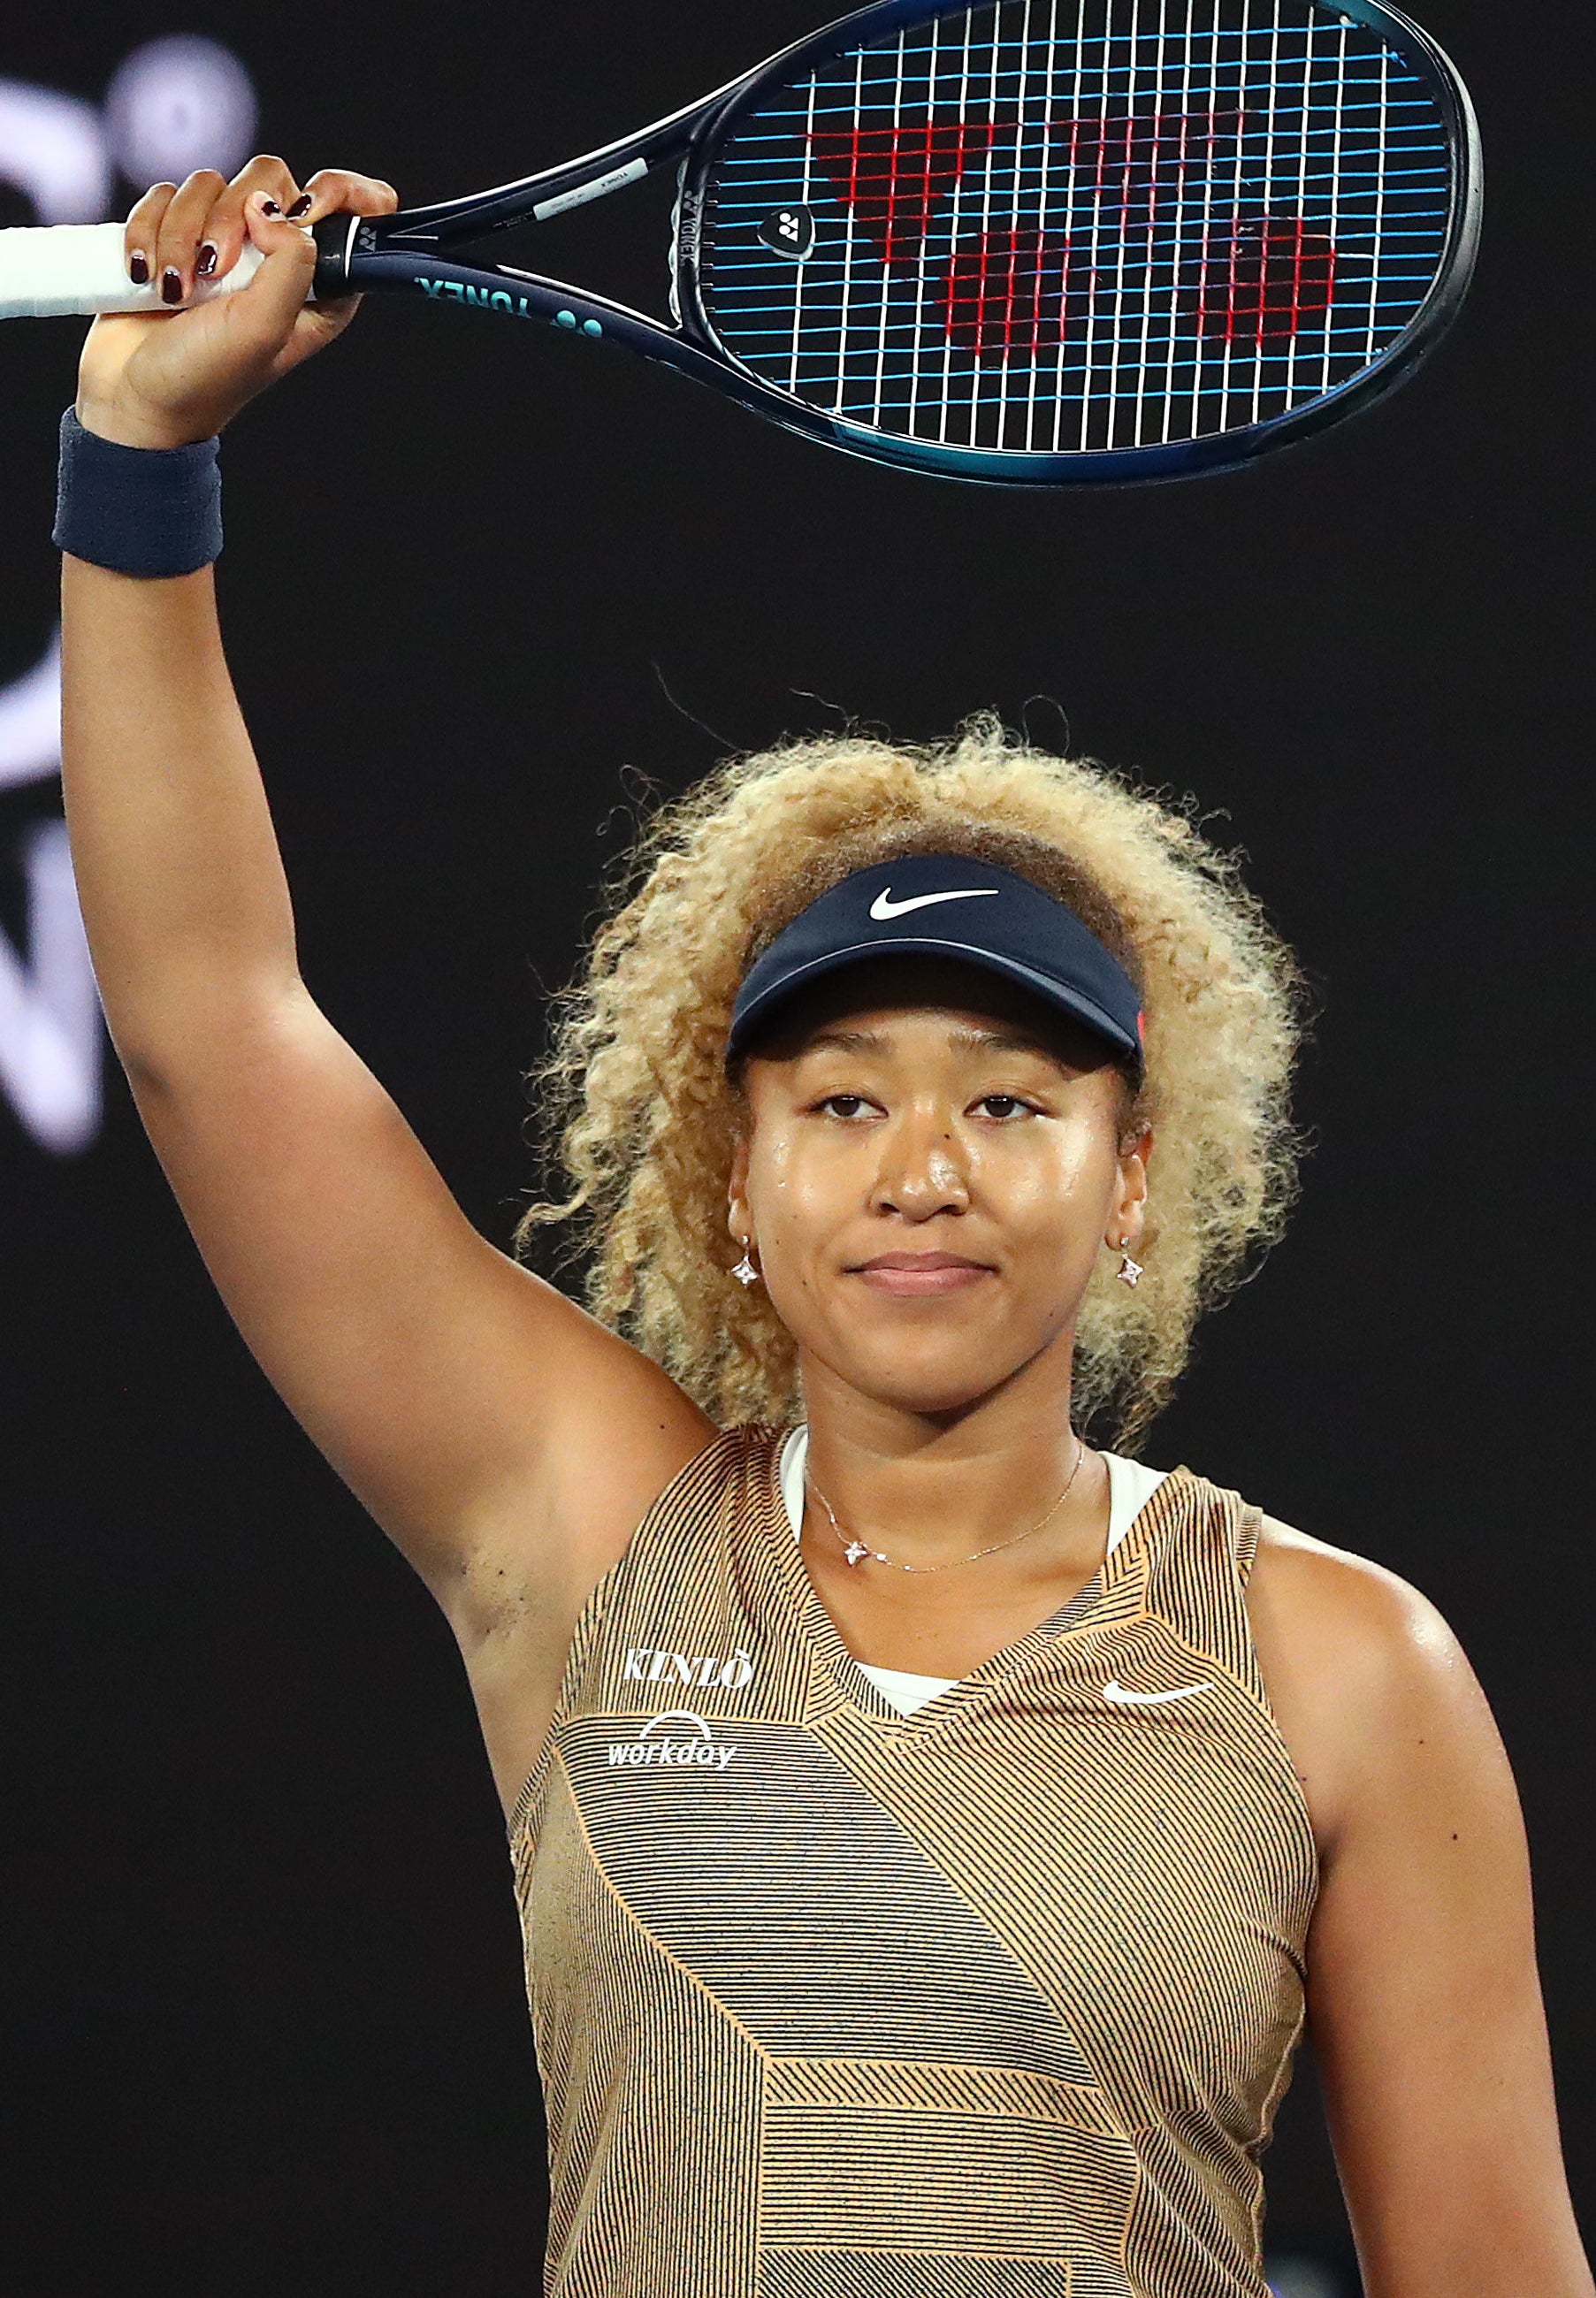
(948, 905)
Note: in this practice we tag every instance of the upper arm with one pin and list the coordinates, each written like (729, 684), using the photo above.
(504, 1439)
(1424, 1997)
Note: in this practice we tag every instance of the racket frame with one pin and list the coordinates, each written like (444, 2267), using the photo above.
(405, 253)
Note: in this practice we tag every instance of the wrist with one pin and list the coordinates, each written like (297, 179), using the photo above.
(134, 506)
(135, 426)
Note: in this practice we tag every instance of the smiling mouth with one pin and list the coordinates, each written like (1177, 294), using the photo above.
(910, 1276)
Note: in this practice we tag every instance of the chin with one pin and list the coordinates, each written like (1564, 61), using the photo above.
(950, 1386)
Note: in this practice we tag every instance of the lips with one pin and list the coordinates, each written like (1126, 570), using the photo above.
(915, 1276)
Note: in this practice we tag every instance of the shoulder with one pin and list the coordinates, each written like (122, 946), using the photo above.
(1367, 1680)
(1366, 1616)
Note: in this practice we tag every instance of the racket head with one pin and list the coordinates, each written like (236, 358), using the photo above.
(1068, 242)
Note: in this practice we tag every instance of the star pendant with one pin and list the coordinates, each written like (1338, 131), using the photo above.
(855, 1549)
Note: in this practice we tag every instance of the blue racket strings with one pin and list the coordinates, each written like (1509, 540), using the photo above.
(1063, 225)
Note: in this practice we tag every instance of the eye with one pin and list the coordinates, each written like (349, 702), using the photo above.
(844, 1104)
(1003, 1106)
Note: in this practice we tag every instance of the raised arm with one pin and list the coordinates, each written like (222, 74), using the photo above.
(504, 1440)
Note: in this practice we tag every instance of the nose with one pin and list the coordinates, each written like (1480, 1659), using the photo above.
(922, 1171)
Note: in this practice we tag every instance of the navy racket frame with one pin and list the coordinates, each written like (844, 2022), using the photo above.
(403, 253)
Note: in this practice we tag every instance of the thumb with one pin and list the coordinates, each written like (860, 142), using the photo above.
(276, 295)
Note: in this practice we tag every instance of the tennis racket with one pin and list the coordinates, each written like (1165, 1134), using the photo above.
(1040, 242)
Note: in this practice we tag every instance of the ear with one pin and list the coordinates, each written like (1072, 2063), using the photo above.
(740, 1220)
(1128, 1211)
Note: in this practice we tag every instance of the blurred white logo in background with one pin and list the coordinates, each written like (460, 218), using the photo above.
(178, 104)
(173, 105)
(49, 1013)
(53, 148)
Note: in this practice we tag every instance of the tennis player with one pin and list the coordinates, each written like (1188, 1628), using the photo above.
(931, 1831)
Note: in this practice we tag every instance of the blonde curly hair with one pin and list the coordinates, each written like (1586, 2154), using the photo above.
(637, 1107)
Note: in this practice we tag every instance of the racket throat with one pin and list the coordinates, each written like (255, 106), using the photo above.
(597, 188)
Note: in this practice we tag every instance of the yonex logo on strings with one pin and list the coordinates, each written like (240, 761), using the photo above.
(1025, 286)
(644, 1664)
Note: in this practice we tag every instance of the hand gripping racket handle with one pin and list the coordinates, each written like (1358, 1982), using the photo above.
(80, 269)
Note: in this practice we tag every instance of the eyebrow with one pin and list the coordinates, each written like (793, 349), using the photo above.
(964, 1041)
(999, 1041)
(845, 1041)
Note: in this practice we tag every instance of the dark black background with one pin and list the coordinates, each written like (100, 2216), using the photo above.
(262, 1974)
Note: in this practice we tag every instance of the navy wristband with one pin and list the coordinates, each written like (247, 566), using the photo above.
(138, 510)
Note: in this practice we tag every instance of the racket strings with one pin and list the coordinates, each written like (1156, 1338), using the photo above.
(1264, 283)
(891, 179)
(1115, 222)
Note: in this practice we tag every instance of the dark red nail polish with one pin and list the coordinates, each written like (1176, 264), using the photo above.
(299, 205)
(172, 286)
(205, 263)
(138, 270)
(270, 207)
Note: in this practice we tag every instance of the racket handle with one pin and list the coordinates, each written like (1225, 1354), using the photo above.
(78, 268)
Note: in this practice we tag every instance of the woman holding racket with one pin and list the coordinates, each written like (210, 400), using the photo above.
(930, 1833)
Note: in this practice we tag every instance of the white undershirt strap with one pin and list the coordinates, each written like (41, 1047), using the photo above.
(1130, 1486)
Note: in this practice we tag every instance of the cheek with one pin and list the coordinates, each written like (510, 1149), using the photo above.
(803, 1191)
(770, 1166)
(1059, 1182)
(782, 1185)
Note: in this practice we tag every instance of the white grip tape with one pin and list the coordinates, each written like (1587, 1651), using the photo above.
(80, 269)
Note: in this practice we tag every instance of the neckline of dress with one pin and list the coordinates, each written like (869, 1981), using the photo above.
(1130, 1486)
(849, 1676)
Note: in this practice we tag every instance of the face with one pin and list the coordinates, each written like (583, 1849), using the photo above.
(932, 1163)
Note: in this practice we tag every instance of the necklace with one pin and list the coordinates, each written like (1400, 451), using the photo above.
(855, 1549)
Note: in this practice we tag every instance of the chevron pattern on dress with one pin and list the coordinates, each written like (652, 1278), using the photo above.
(793, 1947)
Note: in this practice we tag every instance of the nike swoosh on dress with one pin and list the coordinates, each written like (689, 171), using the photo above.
(884, 907)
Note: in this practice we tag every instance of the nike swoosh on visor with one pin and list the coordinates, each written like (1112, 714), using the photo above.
(884, 907)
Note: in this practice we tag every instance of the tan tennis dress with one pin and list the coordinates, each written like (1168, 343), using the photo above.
(995, 2000)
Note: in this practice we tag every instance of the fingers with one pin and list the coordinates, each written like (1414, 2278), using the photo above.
(338, 191)
(179, 236)
(212, 241)
(176, 236)
(224, 229)
(183, 228)
(142, 235)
